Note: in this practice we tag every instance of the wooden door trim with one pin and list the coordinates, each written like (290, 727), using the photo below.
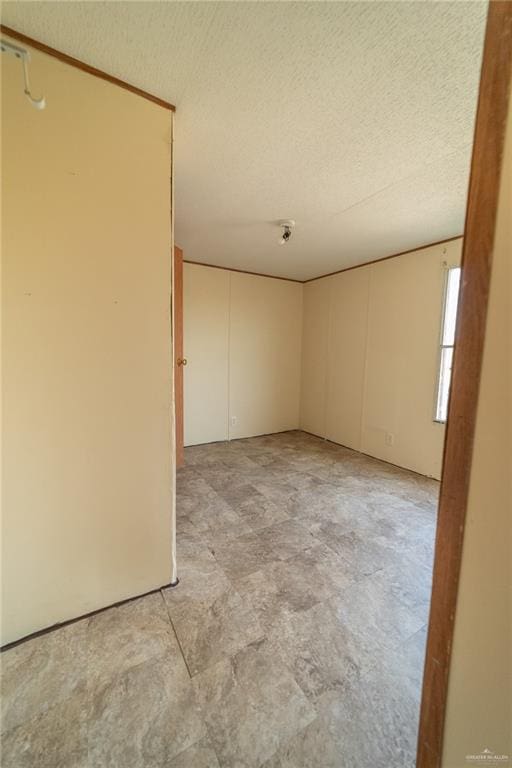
(476, 271)
(178, 353)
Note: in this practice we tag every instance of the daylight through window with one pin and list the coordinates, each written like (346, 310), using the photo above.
(451, 298)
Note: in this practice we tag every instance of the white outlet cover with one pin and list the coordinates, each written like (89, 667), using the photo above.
(389, 438)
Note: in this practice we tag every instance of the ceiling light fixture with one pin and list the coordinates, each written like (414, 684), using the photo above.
(287, 226)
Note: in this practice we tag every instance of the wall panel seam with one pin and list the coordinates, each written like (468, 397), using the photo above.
(365, 368)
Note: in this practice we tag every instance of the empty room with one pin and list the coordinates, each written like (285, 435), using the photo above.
(256, 386)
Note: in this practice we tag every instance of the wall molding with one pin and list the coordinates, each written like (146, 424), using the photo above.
(77, 64)
(385, 258)
(329, 274)
(242, 271)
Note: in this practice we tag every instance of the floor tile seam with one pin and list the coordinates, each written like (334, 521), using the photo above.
(198, 741)
(253, 613)
(288, 743)
(168, 611)
(413, 634)
(388, 646)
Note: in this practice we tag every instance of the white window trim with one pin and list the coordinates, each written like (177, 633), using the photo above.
(446, 270)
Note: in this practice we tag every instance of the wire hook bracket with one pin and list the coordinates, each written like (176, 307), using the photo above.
(24, 56)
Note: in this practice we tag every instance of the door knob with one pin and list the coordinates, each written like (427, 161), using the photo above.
(182, 361)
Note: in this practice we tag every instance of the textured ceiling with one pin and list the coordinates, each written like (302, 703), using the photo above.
(354, 118)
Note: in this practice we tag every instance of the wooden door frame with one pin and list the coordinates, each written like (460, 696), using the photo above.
(178, 355)
(477, 256)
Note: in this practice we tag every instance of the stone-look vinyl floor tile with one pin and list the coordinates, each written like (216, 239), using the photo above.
(409, 582)
(277, 491)
(373, 621)
(362, 554)
(209, 617)
(209, 512)
(251, 551)
(330, 505)
(252, 507)
(251, 704)
(199, 572)
(42, 672)
(220, 479)
(200, 755)
(55, 738)
(185, 476)
(128, 635)
(144, 717)
(368, 726)
(185, 527)
(297, 584)
(212, 627)
(320, 653)
(260, 513)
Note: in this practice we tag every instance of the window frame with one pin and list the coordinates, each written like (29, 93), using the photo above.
(447, 268)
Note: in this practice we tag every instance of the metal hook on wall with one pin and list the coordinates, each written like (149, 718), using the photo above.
(24, 56)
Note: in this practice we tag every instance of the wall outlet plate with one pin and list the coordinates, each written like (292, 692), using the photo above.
(389, 438)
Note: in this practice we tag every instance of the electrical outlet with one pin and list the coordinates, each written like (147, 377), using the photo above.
(233, 421)
(389, 438)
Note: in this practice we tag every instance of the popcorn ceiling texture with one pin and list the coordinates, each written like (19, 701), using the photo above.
(356, 119)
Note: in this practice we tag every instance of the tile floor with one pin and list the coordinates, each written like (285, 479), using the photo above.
(295, 638)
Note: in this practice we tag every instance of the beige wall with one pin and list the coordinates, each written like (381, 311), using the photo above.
(206, 345)
(86, 244)
(479, 712)
(346, 354)
(264, 355)
(375, 374)
(315, 337)
(243, 346)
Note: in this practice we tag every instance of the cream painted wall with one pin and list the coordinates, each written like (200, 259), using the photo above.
(206, 345)
(86, 352)
(479, 708)
(264, 355)
(315, 338)
(348, 318)
(250, 385)
(379, 363)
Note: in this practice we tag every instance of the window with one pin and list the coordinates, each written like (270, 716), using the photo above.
(451, 297)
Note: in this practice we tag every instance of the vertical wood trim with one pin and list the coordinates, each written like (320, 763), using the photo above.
(228, 392)
(327, 369)
(178, 353)
(476, 270)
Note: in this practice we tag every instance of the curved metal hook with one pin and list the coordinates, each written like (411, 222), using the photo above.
(24, 56)
(37, 103)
